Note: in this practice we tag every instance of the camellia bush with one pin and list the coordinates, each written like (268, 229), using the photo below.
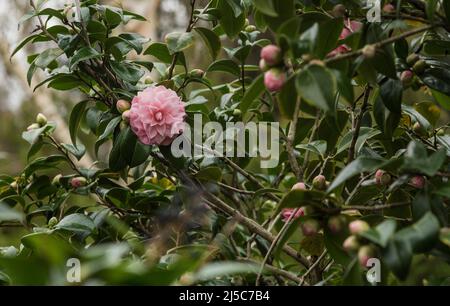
(356, 188)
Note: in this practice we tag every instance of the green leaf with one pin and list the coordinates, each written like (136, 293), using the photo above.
(362, 164)
(77, 223)
(317, 86)
(224, 268)
(23, 43)
(177, 42)
(230, 23)
(266, 7)
(416, 159)
(225, 65)
(32, 135)
(255, 90)
(161, 52)
(84, 54)
(391, 94)
(45, 58)
(64, 81)
(75, 118)
(210, 174)
(211, 40)
(382, 233)
(127, 71)
(113, 16)
(77, 151)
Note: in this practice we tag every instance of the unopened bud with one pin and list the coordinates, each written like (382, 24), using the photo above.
(237, 113)
(382, 178)
(406, 77)
(358, 226)
(319, 182)
(338, 10)
(417, 181)
(299, 186)
(419, 129)
(250, 28)
(412, 59)
(369, 51)
(57, 180)
(33, 126)
(310, 227)
(78, 182)
(263, 65)
(420, 66)
(389, 8)
(41, 119)
(365, 253)
(197, 73)
(271, 54)
(123, 106)
(126, 116)
(351, 244)
(52, 222)
(336, 224)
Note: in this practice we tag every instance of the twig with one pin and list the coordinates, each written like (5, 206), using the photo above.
(357, 128)
(290, 141)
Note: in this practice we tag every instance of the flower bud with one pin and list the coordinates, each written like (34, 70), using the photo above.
(57, 180)
(420, 66)
(310, 227)
(52, 222)
(417, 181)
(307, 57)
(286, 213)
(369, 51)
(274, 79)
(13, 185)
(351, 244)
(299, 186)
(237, 113)
(358, 226)
(271, 54)
(419, 129)
(78, 182)
(148, 80)
(126, 116)
(263, 65)
(336, 223)
(412, 59)
(406, 77)
(389, 8)
(440, 132)
(247, 22)
(41, 119)
(197, 73)
(250, 28)
(365, 253)
(33, 126)
(382, 178)
(338, 11)
(122, 106)
(319, 182)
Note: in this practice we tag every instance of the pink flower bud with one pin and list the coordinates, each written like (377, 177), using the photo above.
(78, 182)
(417, 181)
(126, 116)
(351, 244)
(271, 54)
(358, 226)
(406, 77)
(382, 177)
(197, 73)
(310, 227)
(299, 186)
(336, 223)
(286, 213)
(389, 8)
(123, 106)
(274, 79)
(365, 253)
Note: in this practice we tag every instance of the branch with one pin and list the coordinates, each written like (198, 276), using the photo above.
(290, 140)
(357, 128)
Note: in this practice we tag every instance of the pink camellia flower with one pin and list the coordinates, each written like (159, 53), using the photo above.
(274, 79)
(271, 54)
(350, 26)
(286, 213)
(157, 115)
